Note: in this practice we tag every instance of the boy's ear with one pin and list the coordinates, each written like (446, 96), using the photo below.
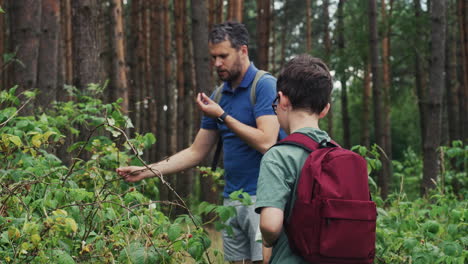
(325, 111)
(283, 100)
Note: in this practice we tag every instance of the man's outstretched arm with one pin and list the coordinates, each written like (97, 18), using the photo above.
(187, 158)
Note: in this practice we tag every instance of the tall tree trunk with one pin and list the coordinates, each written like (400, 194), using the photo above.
(170, 90)
(420, 80)
(2, 47)
(119, 72)
(25, 38)
(284, 34)
(220, 11)
(451, 81)
(87, 65)
(463, 23)
(382, 181)
(263, 33)
(433, 100)
(327, 44)
(235, 10)
(203, 79)
(343, 79)
(180, 28)
(309, 18)
(366, 104)
(387, 138)
(67, 32)
(273, 39)
(48, 53)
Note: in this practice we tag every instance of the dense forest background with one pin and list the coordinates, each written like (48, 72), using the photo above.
(87, 86)
(400, 66)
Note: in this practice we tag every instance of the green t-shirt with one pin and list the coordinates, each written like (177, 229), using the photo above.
(279, 170)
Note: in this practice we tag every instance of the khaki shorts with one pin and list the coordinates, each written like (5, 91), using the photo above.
(242, 245)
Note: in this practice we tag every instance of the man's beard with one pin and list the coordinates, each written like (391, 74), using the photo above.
(232, 74)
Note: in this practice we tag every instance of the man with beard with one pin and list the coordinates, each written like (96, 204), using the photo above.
(247, 129)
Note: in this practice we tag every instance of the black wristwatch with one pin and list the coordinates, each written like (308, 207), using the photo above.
(221, 118)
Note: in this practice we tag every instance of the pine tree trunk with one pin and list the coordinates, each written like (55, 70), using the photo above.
(463, 23)
(366, 105)
(263, 33)
(327, 45)
(273, 39)
(119, 73)
(343, 79)
(382, 181)
(87, 65)
(308, 27)
(2, 48)
(451, 82)
(433, 100)
(235, 10)
(420, 80)
(203, 80)
(48, 53)
(387, 138)
(25, 31)
(67, 32)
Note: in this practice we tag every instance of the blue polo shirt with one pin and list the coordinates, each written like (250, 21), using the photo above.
(241, 162)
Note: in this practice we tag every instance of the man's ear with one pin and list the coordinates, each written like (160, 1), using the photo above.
(324, 111)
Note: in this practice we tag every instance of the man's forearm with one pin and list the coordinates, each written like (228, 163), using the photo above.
(256, 138)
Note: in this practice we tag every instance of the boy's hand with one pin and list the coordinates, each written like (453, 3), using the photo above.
(208, 106)
(132, 173)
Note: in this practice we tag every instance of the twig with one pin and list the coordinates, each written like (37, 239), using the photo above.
(17, 111)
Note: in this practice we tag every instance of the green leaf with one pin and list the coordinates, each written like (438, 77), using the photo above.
(15, 140)
(195, 249)
(62, 257)
(174, 232)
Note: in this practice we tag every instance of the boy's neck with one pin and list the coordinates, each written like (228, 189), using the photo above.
(301, 119)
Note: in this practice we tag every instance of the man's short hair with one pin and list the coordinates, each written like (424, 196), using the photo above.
(307, 82)
(233, 31)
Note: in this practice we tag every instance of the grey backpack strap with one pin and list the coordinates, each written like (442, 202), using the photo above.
(218, 93)
(253, 96)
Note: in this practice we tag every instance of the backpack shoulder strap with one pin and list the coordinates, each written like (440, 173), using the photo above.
(218, 93)
(258, 75)
(305, 142)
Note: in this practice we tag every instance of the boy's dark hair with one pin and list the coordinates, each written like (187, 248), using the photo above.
(233, 31)
(307, 82)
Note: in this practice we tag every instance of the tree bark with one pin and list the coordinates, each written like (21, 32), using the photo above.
(25, 38)
(203, 79)
(263, 33)
(87, 64)
(343, 79)
(309, 18)
(366, 105)
(387, 138)
(433, 100)
(119, 72)
(420, 79)
(451, 81)
(2, 47)
(48, 53)
(235, 10)
(382, 181)
(327, 46)
(463, 23)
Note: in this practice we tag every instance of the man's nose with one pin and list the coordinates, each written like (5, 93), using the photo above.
(218, 62)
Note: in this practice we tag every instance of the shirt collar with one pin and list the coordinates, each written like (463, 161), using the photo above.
(246, 81)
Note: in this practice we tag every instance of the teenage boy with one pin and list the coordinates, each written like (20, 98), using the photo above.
(304, 88)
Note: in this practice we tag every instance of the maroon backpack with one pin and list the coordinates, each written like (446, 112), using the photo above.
(333, 219)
